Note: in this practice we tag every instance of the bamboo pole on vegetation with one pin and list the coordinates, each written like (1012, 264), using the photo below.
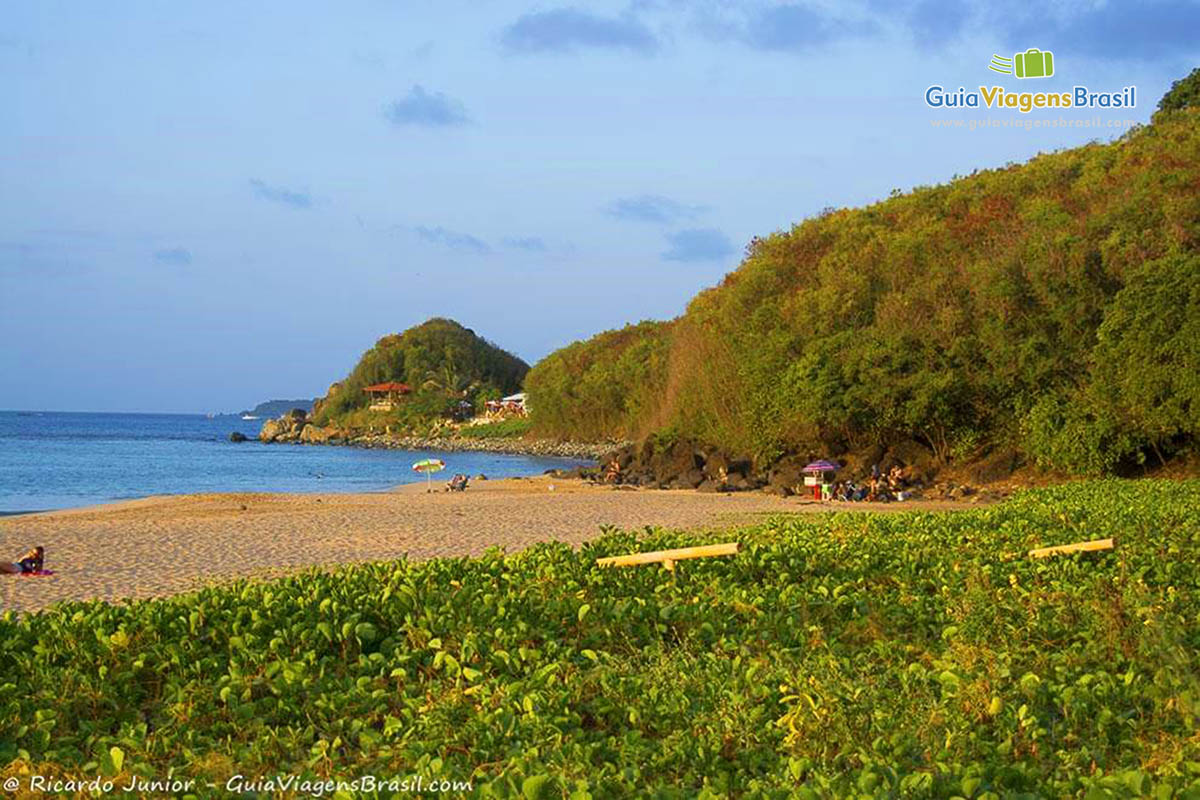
(668, 557)
(1077, 547)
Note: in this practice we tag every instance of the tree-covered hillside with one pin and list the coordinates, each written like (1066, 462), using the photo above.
(443, 363)
(1052, 307)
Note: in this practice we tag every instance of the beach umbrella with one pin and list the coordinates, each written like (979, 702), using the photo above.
(429, 466)
(822, 466)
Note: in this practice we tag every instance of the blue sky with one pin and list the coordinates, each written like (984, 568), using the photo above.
(204, 205)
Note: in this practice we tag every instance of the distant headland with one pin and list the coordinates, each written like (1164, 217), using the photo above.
(273, 408)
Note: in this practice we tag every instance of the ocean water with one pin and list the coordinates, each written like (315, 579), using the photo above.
(62, 460)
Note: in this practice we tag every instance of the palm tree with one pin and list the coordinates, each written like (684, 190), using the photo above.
(448, 381)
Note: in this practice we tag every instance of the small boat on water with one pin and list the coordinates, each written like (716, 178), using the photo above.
(249, 416)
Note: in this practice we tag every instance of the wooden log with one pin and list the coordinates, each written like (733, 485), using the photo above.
(1078, 547)
(669, 557)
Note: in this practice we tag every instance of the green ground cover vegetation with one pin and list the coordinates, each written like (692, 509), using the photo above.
(512, 428)
(913, 654)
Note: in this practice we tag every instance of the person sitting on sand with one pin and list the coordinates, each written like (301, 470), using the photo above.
(458, 483)
(30, 562)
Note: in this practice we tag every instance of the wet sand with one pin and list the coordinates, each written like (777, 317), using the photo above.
(165, 545)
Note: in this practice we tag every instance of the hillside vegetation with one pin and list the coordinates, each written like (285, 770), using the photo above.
(1051, 307)
(839, 655)
(443, 363)
(609, 386)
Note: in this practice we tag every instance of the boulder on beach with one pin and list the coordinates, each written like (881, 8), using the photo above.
(997, 466)
(786, 477)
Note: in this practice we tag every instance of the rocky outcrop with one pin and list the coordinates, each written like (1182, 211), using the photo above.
(321, 402)
(315, 434)
(996, 466)
(237, 436)
(270, 431)
(679, 465)
(966, 493)
(298, 428)
(688, 465)
(285, 429)
(584, 451)
(786, 477)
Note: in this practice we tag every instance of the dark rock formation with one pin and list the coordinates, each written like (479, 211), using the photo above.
(688, 465)
(995, 466)
(678, 465)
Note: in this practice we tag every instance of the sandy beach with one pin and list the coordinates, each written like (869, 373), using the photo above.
(165, 545)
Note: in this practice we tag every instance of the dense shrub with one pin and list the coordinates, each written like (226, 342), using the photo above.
(1146, 365)
(1184, 93)
(1065, 434)
(606, 387)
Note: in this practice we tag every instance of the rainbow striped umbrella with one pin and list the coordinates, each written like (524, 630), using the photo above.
(429, 466)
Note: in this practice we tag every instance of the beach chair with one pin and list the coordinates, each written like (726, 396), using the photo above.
(458, 483)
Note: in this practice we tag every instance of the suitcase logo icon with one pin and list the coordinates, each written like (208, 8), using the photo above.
(1033, 63)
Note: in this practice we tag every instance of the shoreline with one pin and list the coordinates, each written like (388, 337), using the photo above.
(170, 544)
(545, 448)
(588, 453)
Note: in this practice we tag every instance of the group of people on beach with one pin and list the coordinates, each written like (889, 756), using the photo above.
(876, 489)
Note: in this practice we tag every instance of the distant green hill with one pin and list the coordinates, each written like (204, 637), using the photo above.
(442, 362)
(1051, 307)
(276, 408)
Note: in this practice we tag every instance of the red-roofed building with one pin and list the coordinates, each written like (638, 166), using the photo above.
(386, 396)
